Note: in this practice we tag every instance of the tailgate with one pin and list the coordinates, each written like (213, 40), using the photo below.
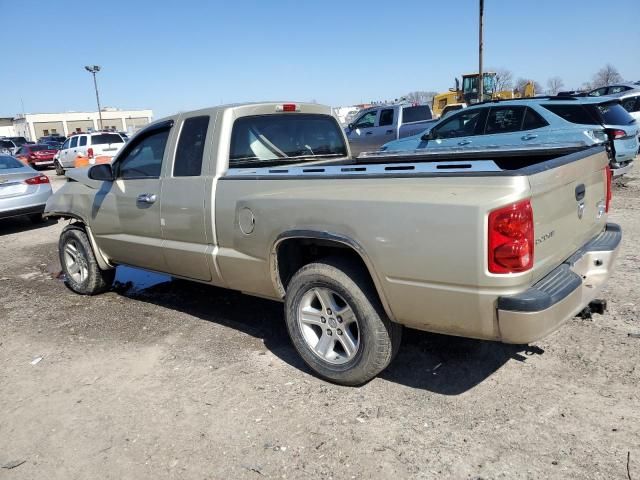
(568, 204)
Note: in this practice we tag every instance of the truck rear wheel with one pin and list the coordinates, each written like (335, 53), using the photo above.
(82, 273)
(337, 324)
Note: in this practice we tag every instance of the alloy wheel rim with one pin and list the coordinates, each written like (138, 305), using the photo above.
(75, 263)
(329, 326)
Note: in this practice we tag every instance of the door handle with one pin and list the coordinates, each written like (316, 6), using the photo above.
(529, 137)
(464, 142)
(389, 132)
(147, 198)
(369, 133)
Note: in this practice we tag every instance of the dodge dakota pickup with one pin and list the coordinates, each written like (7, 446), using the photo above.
(266, 199)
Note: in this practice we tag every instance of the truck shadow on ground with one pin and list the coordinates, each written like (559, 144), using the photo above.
(21, 224)
(437, 363)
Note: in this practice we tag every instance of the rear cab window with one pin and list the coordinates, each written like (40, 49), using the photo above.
(106, 138)
(282, 139)
(418, 113)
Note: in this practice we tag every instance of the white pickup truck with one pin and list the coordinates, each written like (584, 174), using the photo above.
(266, 199)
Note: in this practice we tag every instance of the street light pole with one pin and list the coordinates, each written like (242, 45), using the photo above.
(480, 46)
(93, 69)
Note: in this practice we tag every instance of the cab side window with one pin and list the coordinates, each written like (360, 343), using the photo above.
(143, 157)
(463, 124)
(386, 117)
(368, 120)
(83, 141)
(66, 144)
(74, 142)
(188, 161)
(504, 120)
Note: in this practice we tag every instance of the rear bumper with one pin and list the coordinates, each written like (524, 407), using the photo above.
(622, 168)
(541, 309)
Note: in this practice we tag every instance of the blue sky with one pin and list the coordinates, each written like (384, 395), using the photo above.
(180, 55)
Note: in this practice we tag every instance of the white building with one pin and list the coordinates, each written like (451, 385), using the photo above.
(35, 125)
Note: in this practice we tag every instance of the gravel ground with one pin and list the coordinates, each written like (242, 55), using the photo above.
(162, 379)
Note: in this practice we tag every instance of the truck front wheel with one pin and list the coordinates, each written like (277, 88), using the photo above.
(337, 324)
(82, 273)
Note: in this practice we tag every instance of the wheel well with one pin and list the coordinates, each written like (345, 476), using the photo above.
(294, 253)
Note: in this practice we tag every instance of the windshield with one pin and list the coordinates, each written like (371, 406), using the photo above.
(270, 140)
(106, 138)
(9, 162)
(470, 84)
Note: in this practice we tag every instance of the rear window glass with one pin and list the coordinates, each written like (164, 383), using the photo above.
(9, 162)
(631, 104)
(416, 114)
(105, 138)
(573, 113)
(280, 139)
(614, 114)
(37, 148)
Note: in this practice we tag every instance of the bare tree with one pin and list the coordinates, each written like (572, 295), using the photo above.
(504, 79)
(554, 85)
(419, 96)
(607, 75)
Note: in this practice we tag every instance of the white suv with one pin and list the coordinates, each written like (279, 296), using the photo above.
(86, 148)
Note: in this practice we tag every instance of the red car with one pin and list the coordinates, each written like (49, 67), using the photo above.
(37, 156)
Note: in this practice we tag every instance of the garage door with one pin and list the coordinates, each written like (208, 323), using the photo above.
(136, 123)
(80, 126)
(112, 124)
(48, 128)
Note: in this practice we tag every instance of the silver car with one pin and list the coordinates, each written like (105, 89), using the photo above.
(23, 190)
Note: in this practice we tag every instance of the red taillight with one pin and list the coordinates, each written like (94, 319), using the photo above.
(615, 134)
(90, 152)
(608, 174)
(511, 238)
(39, 180)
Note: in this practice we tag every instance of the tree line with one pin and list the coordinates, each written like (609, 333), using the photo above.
(607, 75)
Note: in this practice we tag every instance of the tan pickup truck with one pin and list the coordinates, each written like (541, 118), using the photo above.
(266, 199)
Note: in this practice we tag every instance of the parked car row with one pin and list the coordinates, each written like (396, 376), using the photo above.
(536, 121)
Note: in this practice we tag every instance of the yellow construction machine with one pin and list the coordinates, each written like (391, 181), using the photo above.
(457, 98)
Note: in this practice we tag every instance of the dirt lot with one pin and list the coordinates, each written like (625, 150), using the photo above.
(161, 379)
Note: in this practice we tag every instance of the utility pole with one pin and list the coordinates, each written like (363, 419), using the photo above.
(480, 46)
(93, 69)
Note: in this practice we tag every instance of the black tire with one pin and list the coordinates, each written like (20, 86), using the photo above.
(379, 337)
(97, 280)
(59, 169)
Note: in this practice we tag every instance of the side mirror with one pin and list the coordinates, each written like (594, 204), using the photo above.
(102, 172)
(351, 126)
(428, 136)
